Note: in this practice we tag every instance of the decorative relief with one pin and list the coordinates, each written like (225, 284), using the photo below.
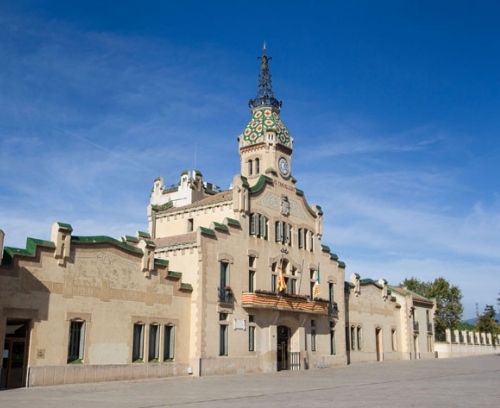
(284, 206)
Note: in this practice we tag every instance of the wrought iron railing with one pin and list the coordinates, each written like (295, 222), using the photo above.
(333, 309)
(226, 295)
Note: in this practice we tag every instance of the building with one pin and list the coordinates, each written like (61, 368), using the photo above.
(224, 282)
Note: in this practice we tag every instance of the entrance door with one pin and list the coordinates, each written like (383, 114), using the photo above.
(283, 345)
(15, 354)
(378, 343)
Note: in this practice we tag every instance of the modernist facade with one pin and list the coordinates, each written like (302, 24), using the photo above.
(223, 282)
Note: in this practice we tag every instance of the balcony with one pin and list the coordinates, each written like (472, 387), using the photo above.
(333, 309)
(415, 327)
(225, 296)
(293, 303)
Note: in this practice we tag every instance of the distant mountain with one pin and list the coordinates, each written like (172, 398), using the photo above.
(474, 319)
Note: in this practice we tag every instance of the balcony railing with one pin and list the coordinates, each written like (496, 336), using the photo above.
(296, 303)
(333, 309)
(226, 295)
(415, 326)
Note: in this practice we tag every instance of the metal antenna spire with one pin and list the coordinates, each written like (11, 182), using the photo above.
(265, 94)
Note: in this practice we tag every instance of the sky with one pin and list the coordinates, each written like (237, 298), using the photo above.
(393, 106)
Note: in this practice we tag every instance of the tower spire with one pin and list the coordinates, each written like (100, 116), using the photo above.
(265, 95)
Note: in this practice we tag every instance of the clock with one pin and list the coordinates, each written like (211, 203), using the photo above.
(283, 167)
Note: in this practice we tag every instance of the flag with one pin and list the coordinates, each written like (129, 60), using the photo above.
(316, 287)
(281, 278)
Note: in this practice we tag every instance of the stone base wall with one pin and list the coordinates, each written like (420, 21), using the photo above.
(450, 350)
(230, 365)
(72, 374)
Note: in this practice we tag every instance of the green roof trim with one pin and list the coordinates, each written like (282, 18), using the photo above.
(233, 223)
(65, 226)
(130, 238)
(220, 227)
(186, 287)
(174, 275)
(261, 183)
(320, 210)
(161, 262)
(207, 231)
(103, 239)
(143, 234)
(334, 257)
(162, 207)
(342, 264)
(369, 281)
(299, 192)
(244, 181)
(32, 245)
(150, 242)
(325, 248)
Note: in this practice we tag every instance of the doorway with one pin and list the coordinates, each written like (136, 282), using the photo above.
(15, 354)
(378, 343)
(283, 348)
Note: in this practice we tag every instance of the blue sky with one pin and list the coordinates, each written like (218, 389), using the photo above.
(394, 108)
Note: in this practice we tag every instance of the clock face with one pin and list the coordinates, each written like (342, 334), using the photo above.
(283, 166)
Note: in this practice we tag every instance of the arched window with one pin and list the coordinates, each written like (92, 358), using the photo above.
(257, 166)
(250, 167)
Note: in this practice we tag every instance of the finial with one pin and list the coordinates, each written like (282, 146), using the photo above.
(265, 95)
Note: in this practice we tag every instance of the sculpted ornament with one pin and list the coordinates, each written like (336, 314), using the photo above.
(285, 206)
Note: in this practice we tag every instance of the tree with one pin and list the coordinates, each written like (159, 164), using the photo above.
(448, 297)
(487, 323)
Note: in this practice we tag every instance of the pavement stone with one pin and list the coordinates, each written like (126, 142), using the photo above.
(460, 382)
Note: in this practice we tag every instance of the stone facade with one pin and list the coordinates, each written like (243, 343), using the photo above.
(224, 282)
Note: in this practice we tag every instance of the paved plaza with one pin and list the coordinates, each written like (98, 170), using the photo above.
(465, 382)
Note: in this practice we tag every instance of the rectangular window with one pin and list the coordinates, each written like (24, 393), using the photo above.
(223, 340)
(331, 292)
(292, 286)
(190, 224)
(300, 238)
(311, 243)
(263, 227)
(251, 281)
(286, 233)
(333, 348)
(358, 337)
(76, 341)
(169, 343)
(279, 231)
(353, 338)
(251, 338)
(138, 343)
(251, 261)
(313, 335)
(224, 274)
(250, 167)
(394, 339)
(154, 342)
(273, 283)
(253, 224)
(257, 166)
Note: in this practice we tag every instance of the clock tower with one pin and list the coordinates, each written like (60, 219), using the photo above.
(265, 144)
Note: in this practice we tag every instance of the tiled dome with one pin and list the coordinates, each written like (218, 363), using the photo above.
(264, 119)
